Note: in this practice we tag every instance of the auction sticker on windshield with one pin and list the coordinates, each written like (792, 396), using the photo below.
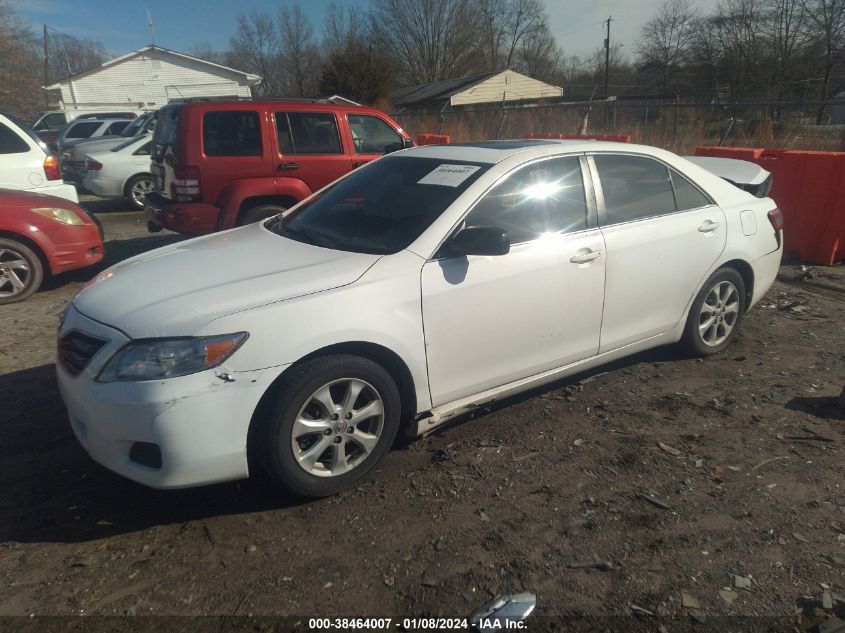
(448, 175)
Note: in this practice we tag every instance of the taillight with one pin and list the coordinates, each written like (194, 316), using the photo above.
(776, 218)
(51, 167)
(186, 183)
(93, 165)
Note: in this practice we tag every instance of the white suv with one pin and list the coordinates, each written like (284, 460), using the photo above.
(25, 163)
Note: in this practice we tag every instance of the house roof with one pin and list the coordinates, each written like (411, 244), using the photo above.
(251, 78)
(437, 90)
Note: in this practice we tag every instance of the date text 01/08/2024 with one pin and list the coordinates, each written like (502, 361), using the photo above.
(413, 624)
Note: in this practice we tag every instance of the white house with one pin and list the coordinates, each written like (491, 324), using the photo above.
(486, 88)
(150, 77)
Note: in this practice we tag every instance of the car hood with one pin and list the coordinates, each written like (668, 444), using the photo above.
(177, 289)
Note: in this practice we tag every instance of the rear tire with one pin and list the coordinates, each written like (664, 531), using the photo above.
(262, 212)
(715, 314)
(333, 419)
(136, 188)
(21, 271)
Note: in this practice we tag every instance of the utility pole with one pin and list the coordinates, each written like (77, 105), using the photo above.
(46, 70)
(607, 56)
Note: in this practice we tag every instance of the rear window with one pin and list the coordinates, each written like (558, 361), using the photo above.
(166, 136)
(231, 133)
(82, 130)
(10, 142)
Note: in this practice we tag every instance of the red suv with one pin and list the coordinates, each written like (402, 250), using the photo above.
(221, 164)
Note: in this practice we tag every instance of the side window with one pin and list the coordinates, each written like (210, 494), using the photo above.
(118, 127)
(10, 142)
(53, 122)
(83, 130)
(231, 133)
(144, 150)
(634, 187)
(687, 195)
(371, 135)
(308, 133)
(547, 197)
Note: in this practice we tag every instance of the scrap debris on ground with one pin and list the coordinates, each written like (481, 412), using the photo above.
(658, 486)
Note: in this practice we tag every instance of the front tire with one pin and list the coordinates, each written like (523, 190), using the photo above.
(21, 271)
(716, 313)
(334, 418)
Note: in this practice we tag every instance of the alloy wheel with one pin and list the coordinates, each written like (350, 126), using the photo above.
(139, 190)
(719, 313)
(15, 273)
(337, 428)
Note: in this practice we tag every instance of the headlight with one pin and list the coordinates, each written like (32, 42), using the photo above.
(65, 216)
(154, 359)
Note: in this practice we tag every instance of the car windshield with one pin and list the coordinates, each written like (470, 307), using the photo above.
(382, 208)
(133, 128)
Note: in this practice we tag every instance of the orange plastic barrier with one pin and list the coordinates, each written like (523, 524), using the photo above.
(433, 139)
(809, 189)
(618, 138)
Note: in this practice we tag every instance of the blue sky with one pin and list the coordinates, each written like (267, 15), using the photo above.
(182, 24)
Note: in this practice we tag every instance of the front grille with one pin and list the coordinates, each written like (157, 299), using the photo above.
(76, 350)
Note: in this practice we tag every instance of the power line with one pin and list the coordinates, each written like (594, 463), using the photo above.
(79, 41)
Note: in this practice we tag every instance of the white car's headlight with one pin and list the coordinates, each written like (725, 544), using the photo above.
(65, 216)
(154, 359)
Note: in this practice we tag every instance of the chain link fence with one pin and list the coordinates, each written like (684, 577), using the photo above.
(676, 126)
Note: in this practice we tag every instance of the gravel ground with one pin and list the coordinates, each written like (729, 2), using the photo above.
(701, 488)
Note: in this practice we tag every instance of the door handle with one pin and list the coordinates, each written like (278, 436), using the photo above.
(709, 226)
(585, 257)
(289, 166)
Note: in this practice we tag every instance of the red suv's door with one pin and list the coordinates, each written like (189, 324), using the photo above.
(371, 137)
(309, 147)
(235, 145)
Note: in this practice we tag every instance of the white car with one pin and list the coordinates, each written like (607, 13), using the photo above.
(122, 171)
(424, 284)
(25, 163)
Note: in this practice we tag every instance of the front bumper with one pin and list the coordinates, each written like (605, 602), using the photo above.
(199, 422)
(75, 247)
(188, 218)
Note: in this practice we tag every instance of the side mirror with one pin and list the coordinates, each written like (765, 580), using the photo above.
(406, 143)
(480, 240)
(393, 147)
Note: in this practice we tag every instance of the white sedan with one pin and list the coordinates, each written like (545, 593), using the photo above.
(429, 282)
(122, 171)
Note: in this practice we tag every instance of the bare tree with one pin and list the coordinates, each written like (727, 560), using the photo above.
(665, 38)
(20, 67)
(255, 48)
(504, 26)
(70, 55)
(828, 20)
(786, 30)
(428, 40)
(299, 55)
(342, 25)
(540, 56)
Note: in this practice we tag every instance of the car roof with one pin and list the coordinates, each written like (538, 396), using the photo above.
(77, 120)
(317, 105)
(496, 151)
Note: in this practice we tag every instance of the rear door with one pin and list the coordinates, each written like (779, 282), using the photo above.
(21, 162)
(234, 147)
(662, 235)
(371, 137)
(308, 146)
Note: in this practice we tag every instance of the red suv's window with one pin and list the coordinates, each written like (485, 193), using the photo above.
(371, 135)
(308, 133)
(231, 133)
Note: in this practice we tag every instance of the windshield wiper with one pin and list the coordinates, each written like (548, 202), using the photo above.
(307, 236)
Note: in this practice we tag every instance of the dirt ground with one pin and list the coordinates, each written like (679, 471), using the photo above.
(703, 488)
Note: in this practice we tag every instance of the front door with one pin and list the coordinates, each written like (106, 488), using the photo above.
(662, 234)
(492, 320)
(371, 138)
